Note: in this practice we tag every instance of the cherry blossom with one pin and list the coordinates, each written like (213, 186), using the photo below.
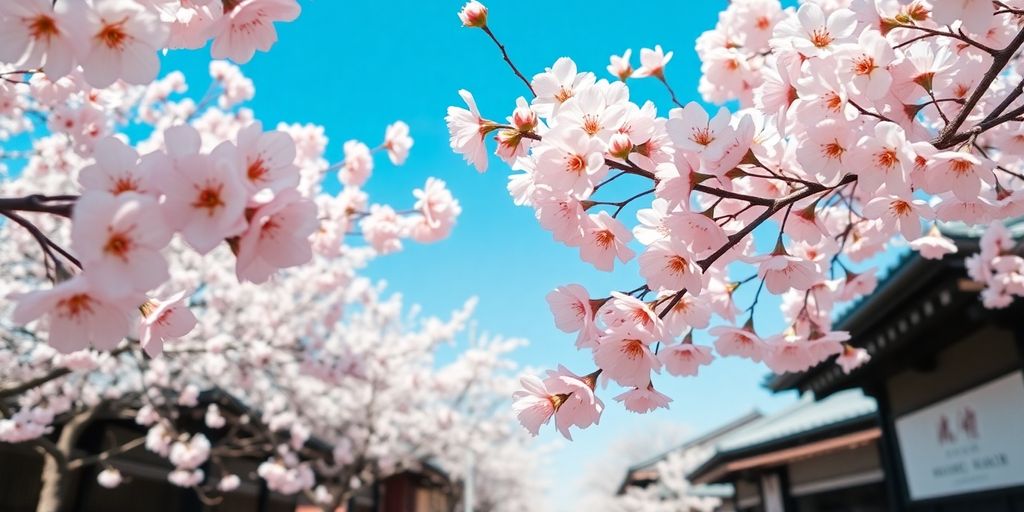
(933, 245)
(381, 229)
(117, 170)
(398, 142)
(652, 63)
(109, 478)
(165, 319)
(866, 65)
(604, 240)
(814, 34)
(571, 161)
(742, 342)
(626, 357)
(248, 25)
(267, 159)
(643, 399)
(205, 193)
(958, 172)
(581, 407)
(439, 210)
(669, 264)
(358, 164)
(277, 237)
(852, 358)
(573, 312)
(119, 39)
(119, 239)
(781, 272)
(899, 212)
(974, 15)
(534, 405)
(77, 316)
(693, 130)
(620, 66)
(468, 130)
(787, 353)
(556, 85)
(685, 358)
(36, 34)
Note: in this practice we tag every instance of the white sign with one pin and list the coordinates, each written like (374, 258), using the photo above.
(971, 442)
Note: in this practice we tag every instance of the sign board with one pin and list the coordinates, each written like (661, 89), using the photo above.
(970, 442)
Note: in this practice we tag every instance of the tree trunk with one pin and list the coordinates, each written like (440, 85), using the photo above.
(52, 495)
(55, 475)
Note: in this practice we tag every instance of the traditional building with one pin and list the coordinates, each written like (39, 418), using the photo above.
(934, 422)
(812, 456)
(947, 376)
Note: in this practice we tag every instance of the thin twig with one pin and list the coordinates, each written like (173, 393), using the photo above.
(504, 55)
(670, 91)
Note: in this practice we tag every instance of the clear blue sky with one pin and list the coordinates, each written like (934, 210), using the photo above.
(354, 67)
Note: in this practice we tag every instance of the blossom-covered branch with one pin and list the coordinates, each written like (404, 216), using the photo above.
(859, 124)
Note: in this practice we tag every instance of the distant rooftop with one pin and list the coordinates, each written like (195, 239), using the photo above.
(804, 416)
(803, 422)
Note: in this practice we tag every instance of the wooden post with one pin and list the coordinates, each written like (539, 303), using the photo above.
(888, 448)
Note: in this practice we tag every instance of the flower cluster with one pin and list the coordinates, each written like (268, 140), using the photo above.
(115, 40)
(204, 178)
(337, 401)
(998, 266)
(189, 227)
(860, 123)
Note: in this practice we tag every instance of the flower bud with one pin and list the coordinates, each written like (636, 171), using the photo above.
(473, 14)
(524, 119)
(620, 146)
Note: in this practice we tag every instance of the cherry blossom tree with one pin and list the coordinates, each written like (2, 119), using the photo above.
(601, 481)
(860, 125)
(172, 261)
(672, 491)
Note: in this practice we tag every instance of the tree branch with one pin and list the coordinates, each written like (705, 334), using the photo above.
(1001, 58)
(737, 237)
(56, 205)
(504, 55)
(103, 456)
(55, 373)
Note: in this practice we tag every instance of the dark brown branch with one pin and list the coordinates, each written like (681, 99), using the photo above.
(959, 37)
(1000, 59)
(867, 112)
(1010, 98)
(763, 201)
(55, 205)
(504, 55)
(103, 456)
(670, 91)
(982, 127)
(770, 211)
(630, 169)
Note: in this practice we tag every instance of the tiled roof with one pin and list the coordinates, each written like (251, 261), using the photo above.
(804, 416)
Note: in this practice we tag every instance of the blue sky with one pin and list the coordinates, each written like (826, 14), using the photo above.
(355, 67)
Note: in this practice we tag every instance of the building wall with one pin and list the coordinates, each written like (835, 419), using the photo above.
(982, 356)
(748, 495)
(835, 466)
(20, 483)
